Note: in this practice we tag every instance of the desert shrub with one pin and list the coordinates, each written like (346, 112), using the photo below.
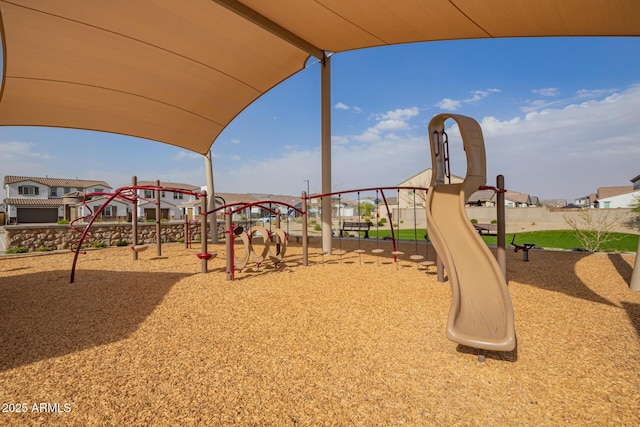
(99, 245)
(122, 243)
(17, 250)
(63, 221)
(474, 221)
(43, 249)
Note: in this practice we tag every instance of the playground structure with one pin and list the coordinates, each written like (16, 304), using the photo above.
(481, 313)
(129, 194)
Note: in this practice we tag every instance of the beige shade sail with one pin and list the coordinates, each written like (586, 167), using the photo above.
(180, 71)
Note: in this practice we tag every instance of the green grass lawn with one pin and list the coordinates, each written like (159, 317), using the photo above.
(553, 239)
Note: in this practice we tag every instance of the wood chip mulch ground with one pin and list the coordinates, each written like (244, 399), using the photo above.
(356, 340)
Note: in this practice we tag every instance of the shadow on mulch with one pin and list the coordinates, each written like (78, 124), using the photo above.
(633, 311)
(541, 273)
(624, 269)
(507, 356)
(44, 316)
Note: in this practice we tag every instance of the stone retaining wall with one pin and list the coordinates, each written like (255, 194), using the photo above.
(57, 236)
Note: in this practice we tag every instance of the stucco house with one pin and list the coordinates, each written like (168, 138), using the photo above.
(116, 210)
(172, 205)
(45, 200)
(625, 200)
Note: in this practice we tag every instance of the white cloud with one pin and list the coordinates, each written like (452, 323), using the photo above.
(14, 150)
(549, 92)
(594, 93)
(343, 106)
(339, 140)
(394, 120)
(553, 153)
(400, 114)
(235, 141)
(448, 104)
(184, 154)
(563, 150)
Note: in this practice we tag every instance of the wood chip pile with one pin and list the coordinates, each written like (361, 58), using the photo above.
(154, 342)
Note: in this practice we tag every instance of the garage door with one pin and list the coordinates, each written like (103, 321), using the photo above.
(151, 213)
(33, 215)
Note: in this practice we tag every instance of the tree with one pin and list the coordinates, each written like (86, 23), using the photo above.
(365, 208)
(634, 221)
(593, 227)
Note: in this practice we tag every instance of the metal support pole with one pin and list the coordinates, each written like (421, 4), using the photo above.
(439, 269)
(208, 167)
(134, 218)
(186, 232)
(501, 253)
(203, 230)
(276, 237)
(327, 235)
(158, 218)
(229, 236)
(305, 237)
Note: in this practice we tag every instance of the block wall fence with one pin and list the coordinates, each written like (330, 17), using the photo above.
(59, 236)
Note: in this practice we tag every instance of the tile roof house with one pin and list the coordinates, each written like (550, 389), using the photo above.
(45, 200)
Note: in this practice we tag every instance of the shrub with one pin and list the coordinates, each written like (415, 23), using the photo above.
(122, 243)
(494, 221)
(63, 221)
(474, 221)
(317, 227)
(99, 245)
(43, 249)
(17, 250)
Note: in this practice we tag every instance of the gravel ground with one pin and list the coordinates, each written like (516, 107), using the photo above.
(345, 341)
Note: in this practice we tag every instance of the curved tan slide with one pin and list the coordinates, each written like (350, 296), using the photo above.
(481, 313)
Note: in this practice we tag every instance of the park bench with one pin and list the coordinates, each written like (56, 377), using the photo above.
(488, 229)
(348, 226)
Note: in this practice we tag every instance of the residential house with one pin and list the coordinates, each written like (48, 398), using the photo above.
(421, 179)
(278, 202)
(513, 199)
(173, 206)
(116, 210)
(586, 202)
(625, 200)
(45, 200)
(479, 198)
(485, 198)
(609, 197)
(636, 182)
(553, 203)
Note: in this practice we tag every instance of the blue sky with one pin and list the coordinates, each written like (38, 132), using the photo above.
(560, 117)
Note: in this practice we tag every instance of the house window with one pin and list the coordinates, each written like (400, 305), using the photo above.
(67, 190)
(177, 196)
(149, 194)
(607, 205)
(163, 193)
(107, 211)
(53, 192)
(98, 190)
(28, 190)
